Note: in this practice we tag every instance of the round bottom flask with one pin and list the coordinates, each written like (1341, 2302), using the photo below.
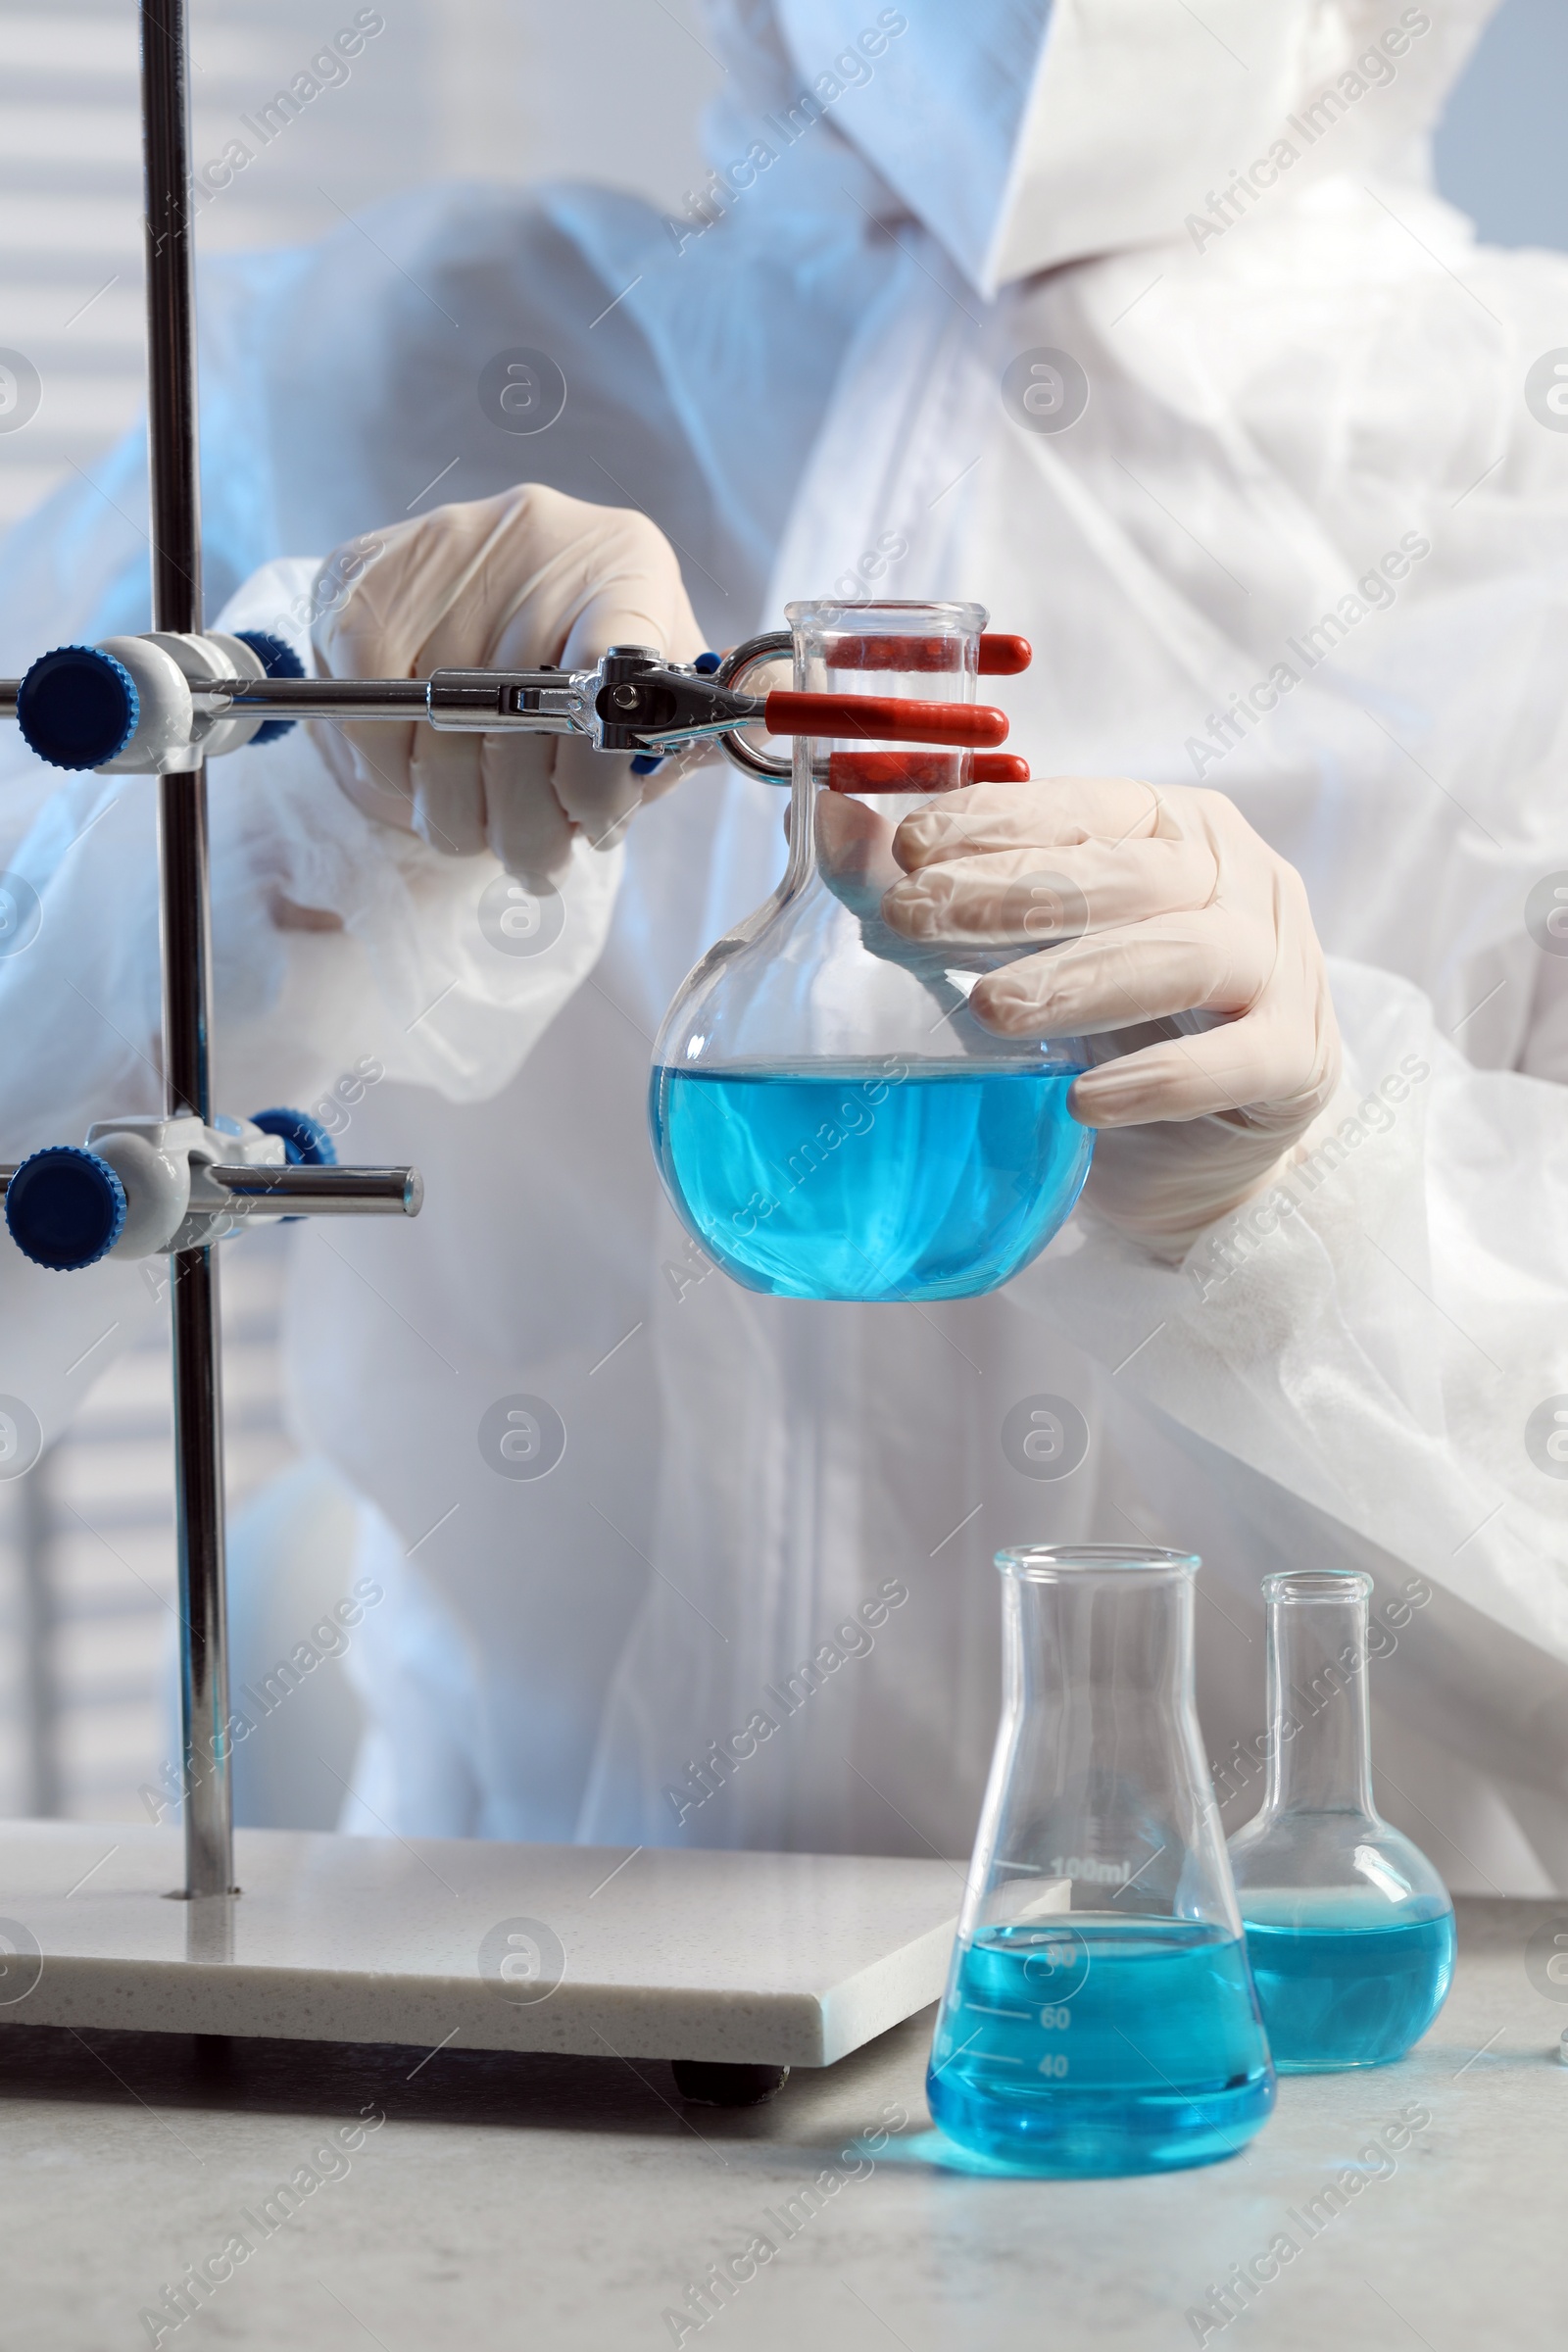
(829, 1118)
(1100, 2016)
(1350, 1930)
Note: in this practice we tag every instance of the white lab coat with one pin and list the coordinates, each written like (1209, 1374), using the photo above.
(1284, 391)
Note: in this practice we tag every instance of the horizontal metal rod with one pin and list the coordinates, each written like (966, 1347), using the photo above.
(293, 697)
(319, 698)
(456, 700)
(324, 1192)
(311, 1192)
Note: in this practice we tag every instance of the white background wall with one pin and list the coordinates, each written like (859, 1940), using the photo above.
(511, 89)
(1500, 152)
(515, 89)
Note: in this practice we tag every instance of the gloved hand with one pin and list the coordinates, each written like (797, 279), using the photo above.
(1184, 951)
(516, 581)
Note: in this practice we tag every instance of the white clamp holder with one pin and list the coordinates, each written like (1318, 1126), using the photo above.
(172, 1200)
(154, 705)
(143, 1185)
(172, 734)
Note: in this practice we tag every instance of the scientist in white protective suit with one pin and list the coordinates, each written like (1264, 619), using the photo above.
(1297, 564)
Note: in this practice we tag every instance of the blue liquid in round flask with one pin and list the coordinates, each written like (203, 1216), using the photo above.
(1350, 1930)
(829, 1118)
(1100, 2016)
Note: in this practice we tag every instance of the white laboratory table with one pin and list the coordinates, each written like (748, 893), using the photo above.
(567, 2204)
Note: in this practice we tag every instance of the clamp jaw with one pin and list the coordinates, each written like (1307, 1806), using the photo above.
(631, 701)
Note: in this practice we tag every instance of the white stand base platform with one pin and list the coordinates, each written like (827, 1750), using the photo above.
(764, 1959)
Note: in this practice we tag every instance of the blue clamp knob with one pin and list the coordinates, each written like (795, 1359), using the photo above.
(78, 706)
(280, 661)
(65, 1207)
(306, 1142)
(706, 663)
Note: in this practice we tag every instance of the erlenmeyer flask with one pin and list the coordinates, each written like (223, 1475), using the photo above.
(830, 1119)
(1350, 1929)
(1108, 2026)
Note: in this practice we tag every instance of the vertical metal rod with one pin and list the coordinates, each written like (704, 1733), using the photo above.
(40, 1682)
(171, 316)
(174, 469)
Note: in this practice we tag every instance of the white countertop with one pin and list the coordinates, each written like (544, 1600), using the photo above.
(565, 2204)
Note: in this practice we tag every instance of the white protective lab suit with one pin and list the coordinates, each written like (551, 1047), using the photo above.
(1289, 382)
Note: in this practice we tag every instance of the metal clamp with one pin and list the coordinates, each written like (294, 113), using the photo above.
(148, 1187)
(163, 703)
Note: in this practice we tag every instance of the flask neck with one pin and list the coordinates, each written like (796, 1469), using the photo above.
(842, 840)
(1102, 1669)
(1084, 1638)
(1321, 1756)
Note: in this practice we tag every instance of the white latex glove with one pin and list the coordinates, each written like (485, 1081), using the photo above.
(512, 583)
(1186, 957)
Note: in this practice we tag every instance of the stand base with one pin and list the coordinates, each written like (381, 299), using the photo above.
(743, 1959)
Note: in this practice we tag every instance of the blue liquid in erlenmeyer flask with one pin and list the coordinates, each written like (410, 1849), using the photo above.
(842, 1181)
(1348, 1989)
(1156, 2060)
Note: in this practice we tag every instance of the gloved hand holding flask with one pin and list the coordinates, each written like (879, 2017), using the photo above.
(1175, 942)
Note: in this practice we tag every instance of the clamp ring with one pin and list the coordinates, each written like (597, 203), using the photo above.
(751, 655)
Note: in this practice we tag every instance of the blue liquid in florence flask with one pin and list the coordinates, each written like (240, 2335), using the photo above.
(829, 1118)
(1349, 1927)
(1100, 2016)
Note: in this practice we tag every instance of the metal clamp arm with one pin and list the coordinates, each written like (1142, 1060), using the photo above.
(318, 698)
(322, 1192)
(629, 701)
(481, 701)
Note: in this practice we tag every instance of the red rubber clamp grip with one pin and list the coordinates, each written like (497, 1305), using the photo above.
(919, 771)
(1001, 656)
(894, 653)
(879, 718)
